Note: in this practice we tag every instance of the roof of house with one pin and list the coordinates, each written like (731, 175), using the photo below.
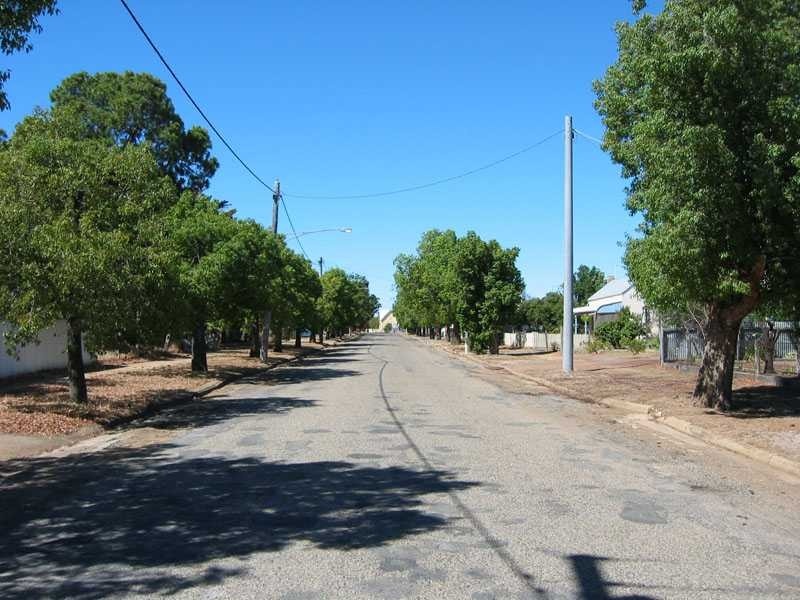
(387, 315)
(615, 287)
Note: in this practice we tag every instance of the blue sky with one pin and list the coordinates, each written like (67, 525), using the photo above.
(358, 97)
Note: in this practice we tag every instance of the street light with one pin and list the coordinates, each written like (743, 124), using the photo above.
(339, 229)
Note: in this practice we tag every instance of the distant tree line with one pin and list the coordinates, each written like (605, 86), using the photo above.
(465, 285)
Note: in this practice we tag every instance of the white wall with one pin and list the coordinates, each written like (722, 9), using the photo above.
(49, 353)
(540, 341)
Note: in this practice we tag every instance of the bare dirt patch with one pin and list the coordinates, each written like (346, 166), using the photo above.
(118, 390)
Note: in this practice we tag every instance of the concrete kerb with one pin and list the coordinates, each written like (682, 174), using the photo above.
(763, 456)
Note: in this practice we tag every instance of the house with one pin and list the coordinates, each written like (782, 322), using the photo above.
(388, 319)
(607, 302)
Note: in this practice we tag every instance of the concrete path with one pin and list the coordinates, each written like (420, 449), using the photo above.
(385, 469)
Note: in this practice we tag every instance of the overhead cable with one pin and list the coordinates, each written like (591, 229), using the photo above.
(430, 183)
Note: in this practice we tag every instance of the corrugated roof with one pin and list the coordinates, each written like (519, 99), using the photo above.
(614, 287)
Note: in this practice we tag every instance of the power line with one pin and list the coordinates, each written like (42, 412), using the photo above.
(189, 96)
(294, 231)
(430, 183)
(207, 120)
(588, 137)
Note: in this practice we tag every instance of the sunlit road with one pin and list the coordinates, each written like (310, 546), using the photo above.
(386, 469)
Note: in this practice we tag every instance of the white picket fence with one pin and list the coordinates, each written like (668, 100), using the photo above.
(541, 341)
(49, 353)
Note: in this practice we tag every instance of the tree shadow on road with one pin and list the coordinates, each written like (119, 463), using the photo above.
(306, 372)
(214, 410)
(127, 520)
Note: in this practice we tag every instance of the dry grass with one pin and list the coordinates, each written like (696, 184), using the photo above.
(119, 388)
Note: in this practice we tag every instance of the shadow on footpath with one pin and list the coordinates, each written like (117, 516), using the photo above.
(85, 526)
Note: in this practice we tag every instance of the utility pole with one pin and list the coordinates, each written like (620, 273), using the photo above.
(566, 325)
(276, 198)
(321, 328)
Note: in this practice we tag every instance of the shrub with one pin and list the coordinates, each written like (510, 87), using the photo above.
(596, 345)
(387, 328)
(636, 346)
(622, 331)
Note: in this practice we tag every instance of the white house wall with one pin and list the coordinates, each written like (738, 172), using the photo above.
(49, 353)
(632, 300)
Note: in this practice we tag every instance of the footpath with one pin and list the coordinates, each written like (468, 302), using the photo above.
(764, 425)
(36, 415)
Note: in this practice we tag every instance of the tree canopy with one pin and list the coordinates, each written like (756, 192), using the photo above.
(586, 281)
(702, 110)
(79, 218)
(464, 281)
(133, 108)
(345, 301)
(104, 224)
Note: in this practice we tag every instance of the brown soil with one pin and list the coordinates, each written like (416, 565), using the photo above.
(119, 388)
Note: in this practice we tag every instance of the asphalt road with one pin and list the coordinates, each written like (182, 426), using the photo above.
(386, 469)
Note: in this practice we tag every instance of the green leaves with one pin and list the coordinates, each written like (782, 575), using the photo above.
(133, 108)
(702, 111)
(463, 280)
(80, 224)
(345, 301)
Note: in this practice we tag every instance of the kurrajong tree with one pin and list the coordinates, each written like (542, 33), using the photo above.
(702, 110)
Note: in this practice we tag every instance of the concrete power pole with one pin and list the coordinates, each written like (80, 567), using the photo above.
(321, 328)
(566, 325)
(276, 198)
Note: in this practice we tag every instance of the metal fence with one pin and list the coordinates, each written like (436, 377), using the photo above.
(687, 344)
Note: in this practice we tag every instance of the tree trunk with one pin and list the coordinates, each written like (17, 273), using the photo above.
(264, 350)
(75, 369)
(255, 340)
(298, 341)
(714, 388)
(769, 337)
(321, 336)
(278, 335)
(794, 336)
(457, 332)
(494, 344)
(199, 350)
